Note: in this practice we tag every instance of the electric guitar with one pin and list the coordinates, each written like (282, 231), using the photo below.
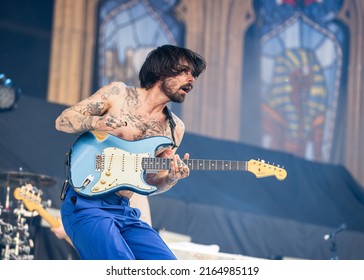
(103, 163)
(33, 202)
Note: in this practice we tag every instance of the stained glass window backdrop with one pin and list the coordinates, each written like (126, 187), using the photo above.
(301, 59)
(128, 30)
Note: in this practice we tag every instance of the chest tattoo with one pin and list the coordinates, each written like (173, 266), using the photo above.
(132, 98)
(140, 125)
(148, 129)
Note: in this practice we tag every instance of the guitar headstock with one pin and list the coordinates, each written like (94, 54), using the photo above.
(262, 169)
(30, 196)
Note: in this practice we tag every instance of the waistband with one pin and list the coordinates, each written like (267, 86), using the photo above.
(110, 198)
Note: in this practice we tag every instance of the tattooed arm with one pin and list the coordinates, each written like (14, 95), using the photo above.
(92, 113)
(166, 179)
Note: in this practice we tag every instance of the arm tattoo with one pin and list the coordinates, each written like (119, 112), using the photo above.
(106, 92)
(93, 109)
(65, 122)
(114, 91)
(86, 123)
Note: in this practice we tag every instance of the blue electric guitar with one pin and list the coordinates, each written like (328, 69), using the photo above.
(103, 163)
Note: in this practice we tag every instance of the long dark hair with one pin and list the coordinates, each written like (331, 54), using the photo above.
(169, 61)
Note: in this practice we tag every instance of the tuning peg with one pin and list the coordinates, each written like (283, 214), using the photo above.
(34, 190)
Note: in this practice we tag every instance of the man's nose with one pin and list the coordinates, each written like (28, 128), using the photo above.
(191, 78)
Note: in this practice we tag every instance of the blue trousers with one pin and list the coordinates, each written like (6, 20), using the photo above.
(107, 228)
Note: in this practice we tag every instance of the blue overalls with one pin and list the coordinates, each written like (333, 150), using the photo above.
(107, 228)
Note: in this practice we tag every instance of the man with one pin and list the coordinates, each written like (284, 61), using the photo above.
(107, 227)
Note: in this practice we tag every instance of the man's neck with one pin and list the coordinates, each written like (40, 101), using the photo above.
(153, 99)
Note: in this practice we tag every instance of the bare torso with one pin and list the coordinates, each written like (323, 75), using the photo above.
(127, 104)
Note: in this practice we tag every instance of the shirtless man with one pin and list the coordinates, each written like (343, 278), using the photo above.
(108, 227)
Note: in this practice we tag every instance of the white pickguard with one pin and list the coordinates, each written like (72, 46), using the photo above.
(121, 168)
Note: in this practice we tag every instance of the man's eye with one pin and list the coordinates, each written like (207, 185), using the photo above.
(184, 69)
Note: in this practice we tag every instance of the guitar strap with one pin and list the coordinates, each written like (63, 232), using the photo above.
(66, 183)
(172, 125)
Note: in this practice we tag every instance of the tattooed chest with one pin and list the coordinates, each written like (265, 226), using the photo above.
(139, 129)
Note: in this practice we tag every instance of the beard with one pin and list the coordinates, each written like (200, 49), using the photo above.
(169, 88)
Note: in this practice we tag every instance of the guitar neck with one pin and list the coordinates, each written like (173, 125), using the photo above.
(54, 222)
(157, 164)
(48, 217)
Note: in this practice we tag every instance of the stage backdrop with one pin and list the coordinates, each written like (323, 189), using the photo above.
(263, 218)
(280, 85)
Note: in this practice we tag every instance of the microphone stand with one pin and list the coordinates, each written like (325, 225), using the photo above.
(333, 249)
(332, 237)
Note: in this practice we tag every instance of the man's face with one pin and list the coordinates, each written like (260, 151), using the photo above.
(176, 88)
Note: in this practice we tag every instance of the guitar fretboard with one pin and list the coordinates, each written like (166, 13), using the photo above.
(196, 164)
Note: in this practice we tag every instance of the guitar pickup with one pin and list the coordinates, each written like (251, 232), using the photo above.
(99, 163)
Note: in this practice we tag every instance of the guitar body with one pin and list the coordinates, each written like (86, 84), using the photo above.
(100, 164)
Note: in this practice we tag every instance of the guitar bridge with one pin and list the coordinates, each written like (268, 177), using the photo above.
(99, 163)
